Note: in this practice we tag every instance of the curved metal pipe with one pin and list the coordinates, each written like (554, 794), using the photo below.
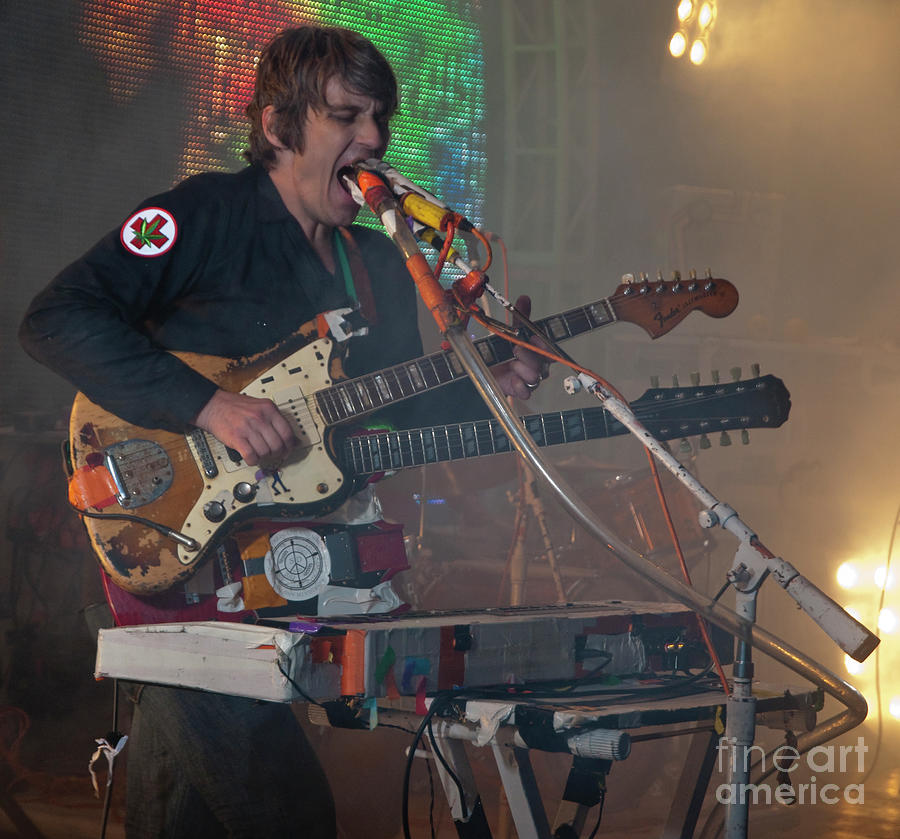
(772, 645)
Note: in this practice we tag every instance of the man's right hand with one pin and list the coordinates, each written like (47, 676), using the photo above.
(254, 427)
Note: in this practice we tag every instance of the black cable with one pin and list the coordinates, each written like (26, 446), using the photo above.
(431, 798)
(437, 703)
(297, 687)
(162, 529)
(599, 814)
(447, 768)
(113, 739)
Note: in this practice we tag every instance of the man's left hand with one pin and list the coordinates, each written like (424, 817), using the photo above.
(521, 376)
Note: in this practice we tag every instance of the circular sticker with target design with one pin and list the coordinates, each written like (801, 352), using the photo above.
(149, 232)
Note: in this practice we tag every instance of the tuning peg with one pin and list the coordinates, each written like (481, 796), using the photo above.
(654, 381)
(628, 279)
(754, 370)
(675, 381)
(659, 276)
(685, 446)
(704, 442)
(735, 374)
(666, 446)
(643, 276)
(695, 379)
(676, 281)
(724, 439)
(715, 376)
(745, 437)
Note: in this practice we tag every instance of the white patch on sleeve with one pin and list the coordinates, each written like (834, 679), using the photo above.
(149, 232)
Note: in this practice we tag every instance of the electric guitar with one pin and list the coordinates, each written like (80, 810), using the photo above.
(378, 551)
(156, 503)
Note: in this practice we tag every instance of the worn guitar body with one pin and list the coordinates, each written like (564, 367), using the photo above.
(178, 467)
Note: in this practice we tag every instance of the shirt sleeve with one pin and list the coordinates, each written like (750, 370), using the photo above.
(90, 325)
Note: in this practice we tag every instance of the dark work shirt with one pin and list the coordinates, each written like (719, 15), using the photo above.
(239, 276)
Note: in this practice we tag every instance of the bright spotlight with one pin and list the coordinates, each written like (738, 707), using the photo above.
(887, 620)
(698, 52)
(685, 10)
(894, 707)
(847, 575)
(854, 668)
(883, 579)
(678, 45)
(705, 18)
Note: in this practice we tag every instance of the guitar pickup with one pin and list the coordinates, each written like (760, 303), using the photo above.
(197, 438)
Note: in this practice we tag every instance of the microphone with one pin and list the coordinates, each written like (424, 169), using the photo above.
(416, 201)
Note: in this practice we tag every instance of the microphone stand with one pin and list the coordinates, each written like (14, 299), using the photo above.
(753, 562)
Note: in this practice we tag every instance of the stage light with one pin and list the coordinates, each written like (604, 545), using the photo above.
(887, 620)
(894, 707)
(698, 52)
(694, 22)
(883, 579)
(847, 575)
(854, 668)
(678, 44)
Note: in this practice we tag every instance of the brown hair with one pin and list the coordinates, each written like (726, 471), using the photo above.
(293, 71)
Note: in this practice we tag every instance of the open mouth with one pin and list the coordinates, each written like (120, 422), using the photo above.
(343, 174)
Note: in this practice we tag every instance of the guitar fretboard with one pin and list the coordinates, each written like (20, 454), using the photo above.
(387, 451)
(668, 413)
(356, 397)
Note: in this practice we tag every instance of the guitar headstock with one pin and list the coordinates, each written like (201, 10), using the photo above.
(670, 413)
(659, 305)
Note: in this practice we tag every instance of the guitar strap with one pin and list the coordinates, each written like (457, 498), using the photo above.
(356, 277)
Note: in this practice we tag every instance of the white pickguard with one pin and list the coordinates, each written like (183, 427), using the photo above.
(307, 475)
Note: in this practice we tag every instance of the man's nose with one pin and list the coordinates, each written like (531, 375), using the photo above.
(373, 134)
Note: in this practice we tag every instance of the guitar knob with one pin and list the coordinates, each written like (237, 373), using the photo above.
(244, 492)
(214, 511)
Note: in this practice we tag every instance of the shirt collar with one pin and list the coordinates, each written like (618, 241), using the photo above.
(271, 207)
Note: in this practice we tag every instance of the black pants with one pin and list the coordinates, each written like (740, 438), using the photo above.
(210, 765)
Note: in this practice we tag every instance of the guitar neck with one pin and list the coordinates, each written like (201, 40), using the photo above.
(356, 397)
(668, 413)
(368, 454)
